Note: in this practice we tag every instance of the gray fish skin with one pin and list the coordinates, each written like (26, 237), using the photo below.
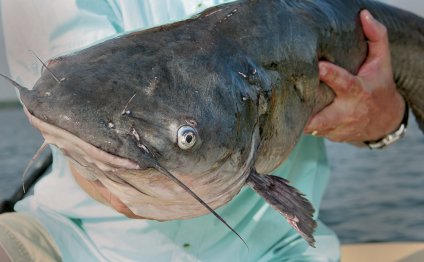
(244, 75)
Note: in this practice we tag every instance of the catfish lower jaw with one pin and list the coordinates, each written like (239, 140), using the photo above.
(79, 150)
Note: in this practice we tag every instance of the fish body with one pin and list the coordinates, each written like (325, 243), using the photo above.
(212, 103)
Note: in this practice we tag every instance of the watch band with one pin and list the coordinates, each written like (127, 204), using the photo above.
(392, 137)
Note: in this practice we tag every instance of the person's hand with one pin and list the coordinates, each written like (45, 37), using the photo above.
(367, 106)
(100, 193)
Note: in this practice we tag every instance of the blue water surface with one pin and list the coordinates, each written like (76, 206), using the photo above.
(377, 195)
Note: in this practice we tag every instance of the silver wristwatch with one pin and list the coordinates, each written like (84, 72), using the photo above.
(393, 137)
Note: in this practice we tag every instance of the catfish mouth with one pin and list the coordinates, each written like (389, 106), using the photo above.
(154, 192)
(83, 153)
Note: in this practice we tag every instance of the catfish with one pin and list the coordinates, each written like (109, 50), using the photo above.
(180, 117)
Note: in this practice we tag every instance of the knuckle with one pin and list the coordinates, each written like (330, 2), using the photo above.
(351, 83)
(356, 87)
(341, 82)
(383, 30)
(331, 75)
(383, 34)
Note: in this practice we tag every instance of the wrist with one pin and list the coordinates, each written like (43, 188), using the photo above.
(398, 114)
(393, 136)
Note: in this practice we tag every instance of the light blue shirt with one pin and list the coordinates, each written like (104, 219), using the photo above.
(86, 230)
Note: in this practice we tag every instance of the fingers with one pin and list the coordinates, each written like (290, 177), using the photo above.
(341, 81)
(344, 85)
(99, 192)
(322, 122)
(112, 200)
(336, 123)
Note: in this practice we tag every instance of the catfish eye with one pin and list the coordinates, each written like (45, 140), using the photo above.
(186, 137)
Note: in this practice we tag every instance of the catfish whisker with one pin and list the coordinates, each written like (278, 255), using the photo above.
(14, 83)
(119, 180)
(195, 196)
(124, 111)
(36, 155)
(45, 66)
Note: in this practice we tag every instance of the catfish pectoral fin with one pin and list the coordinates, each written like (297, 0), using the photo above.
(288, 201)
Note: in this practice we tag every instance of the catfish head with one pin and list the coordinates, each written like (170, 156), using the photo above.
(163, 105)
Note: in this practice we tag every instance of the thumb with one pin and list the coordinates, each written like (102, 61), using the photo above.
(376, 33)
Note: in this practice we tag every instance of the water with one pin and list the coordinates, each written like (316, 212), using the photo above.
(377, 195)
(372, 196)
(18, 143)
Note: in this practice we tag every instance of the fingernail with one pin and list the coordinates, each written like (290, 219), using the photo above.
(368, 16)
(314, 133)
(323, 71)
